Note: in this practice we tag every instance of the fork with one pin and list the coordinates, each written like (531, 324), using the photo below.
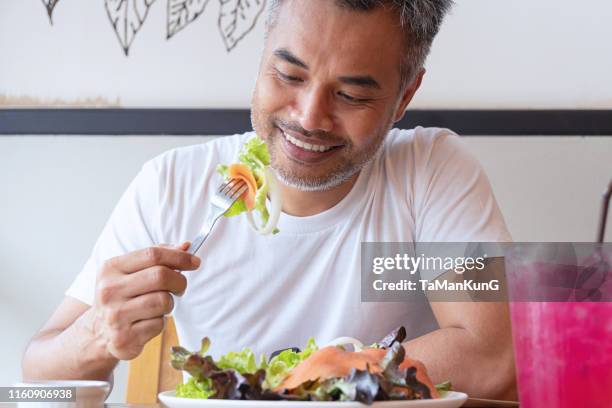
(225, 196)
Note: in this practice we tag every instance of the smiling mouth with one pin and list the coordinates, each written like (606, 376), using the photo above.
(310, 147)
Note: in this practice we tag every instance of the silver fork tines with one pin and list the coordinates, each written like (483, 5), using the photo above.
(231, 186)
(220, 202)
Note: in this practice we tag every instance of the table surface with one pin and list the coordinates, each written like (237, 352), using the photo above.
(475, 403)
(469, 403)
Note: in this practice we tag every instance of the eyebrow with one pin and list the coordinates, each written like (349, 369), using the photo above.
(365, 81)
(288, 56)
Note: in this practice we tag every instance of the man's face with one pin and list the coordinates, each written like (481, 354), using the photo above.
(327, 91)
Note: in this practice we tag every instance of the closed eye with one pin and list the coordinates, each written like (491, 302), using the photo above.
(286, 77)
(352, 99)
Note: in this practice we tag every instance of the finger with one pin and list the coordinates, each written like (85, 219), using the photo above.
(181, 247)
(153, 279)
(152, 256)
(128, 343)
(184, 246)
(144, 330)
(149, 306)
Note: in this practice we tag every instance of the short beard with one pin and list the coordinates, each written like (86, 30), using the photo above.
(302, 184)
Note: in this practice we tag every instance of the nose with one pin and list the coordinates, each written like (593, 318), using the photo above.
(313, 110)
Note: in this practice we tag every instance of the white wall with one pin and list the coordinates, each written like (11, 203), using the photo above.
(489, 54)
(56, 193)
(522, 54)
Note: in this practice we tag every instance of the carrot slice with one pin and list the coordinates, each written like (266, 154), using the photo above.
(332, 362)
(243, 172)
(421, 375)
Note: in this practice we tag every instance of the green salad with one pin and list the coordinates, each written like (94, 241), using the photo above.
(313, 374)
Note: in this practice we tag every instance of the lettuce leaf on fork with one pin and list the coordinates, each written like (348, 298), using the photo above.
(254, 154)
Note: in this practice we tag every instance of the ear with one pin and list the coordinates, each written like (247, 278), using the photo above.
(408, 95)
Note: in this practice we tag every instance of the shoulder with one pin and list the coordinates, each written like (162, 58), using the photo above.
(424, 149)
(423, 142)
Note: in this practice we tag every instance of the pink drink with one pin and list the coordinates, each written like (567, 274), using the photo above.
(563, 353)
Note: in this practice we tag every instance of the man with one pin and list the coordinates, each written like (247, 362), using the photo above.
(334, 77)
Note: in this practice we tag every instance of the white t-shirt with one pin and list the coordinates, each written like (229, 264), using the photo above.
(273, 292)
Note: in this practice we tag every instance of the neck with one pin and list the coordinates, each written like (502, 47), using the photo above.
(301, 203)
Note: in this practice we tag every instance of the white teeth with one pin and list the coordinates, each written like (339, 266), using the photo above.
(306, 146)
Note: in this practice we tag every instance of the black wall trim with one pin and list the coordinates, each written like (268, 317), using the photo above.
(230, 121)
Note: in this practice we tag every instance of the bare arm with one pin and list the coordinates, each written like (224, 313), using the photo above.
(67, 347)
(473, 348)
(132, 298)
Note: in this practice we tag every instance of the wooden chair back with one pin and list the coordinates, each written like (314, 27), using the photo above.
(151, 373)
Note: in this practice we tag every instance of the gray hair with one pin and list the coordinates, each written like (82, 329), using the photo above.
(420, 21)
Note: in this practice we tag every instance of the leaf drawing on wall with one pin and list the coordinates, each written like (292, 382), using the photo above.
(127, 17)
(50, 5)
(183, 12)
(237, 18)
